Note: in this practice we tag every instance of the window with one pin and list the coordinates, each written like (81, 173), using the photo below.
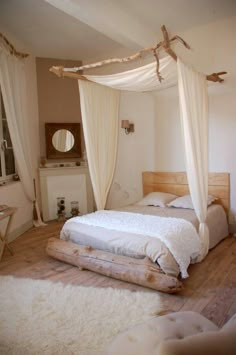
(7, 161)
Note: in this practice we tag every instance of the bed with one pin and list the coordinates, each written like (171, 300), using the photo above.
(134, 252)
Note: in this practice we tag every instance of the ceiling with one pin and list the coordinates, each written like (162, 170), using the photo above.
(95, 29)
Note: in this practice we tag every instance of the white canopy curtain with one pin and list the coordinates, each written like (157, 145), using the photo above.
(193, 99)
(100, 115)
(140, 79)
(13, 86)
(194, 112)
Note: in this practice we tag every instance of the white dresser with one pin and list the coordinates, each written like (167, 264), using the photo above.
(72, 183)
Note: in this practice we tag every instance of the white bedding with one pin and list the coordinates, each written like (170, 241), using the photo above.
(173, 232)
(216, 218)
(134, 244)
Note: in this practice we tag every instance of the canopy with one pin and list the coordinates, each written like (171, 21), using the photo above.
(140, 79)
(193, 99)
(99, 107)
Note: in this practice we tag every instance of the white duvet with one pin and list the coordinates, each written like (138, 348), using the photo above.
(179, 235)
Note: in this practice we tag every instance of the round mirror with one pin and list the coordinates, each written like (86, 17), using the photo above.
(63, 140)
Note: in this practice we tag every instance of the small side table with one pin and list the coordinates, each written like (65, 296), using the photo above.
(7, 213)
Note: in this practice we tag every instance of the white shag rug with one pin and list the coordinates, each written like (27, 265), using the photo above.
(42, 317)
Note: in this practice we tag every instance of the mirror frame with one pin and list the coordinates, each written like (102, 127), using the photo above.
(51, 152)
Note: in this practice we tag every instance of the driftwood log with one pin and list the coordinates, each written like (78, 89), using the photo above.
(163, 45)
(138, 271)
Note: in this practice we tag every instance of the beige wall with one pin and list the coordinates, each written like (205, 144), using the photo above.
(58, 98)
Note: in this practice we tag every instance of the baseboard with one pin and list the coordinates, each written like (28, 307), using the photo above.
(18, 231)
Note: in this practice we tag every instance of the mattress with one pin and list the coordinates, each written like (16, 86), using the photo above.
(123, 243)
(216, 218)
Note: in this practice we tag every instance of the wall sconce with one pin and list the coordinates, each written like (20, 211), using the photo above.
(129, 127)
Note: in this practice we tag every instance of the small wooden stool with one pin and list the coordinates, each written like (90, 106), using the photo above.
(7, 213)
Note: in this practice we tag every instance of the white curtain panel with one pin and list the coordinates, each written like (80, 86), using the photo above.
(13, 86)
(140, 79)
(100, 117)
(193, 98)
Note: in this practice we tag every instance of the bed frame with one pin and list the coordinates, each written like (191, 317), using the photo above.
(177, 183)
(139, 271)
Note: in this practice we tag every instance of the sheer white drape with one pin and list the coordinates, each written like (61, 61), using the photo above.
(100, 116)
(140, 79)
(13, 86)
(194, 120)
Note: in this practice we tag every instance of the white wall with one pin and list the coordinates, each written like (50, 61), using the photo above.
(135, 150)
(214, 50)
(13, 194)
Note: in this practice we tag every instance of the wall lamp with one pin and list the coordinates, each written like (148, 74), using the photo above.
(129, 127)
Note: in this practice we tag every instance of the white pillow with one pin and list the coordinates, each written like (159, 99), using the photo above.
(186, 202)
(159, 199)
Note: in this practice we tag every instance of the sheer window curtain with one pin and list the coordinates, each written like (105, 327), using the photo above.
(100, 117)
(13, 86)
(193, 98)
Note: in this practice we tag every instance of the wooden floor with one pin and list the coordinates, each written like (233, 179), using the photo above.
(210, 289)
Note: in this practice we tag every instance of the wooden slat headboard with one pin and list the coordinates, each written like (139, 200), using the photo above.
(176, 183)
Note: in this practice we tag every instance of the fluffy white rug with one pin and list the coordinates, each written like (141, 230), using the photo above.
(41, 317)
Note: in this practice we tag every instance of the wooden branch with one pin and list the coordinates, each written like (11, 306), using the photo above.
(59, 71)
(166, 42)
(12, 49)
(180, 39)
(165, 45)
(135, 56)
(114, 60)
(160, 78)
(215, 77)
(138, 271)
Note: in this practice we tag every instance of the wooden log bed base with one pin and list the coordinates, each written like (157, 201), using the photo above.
(138, 271)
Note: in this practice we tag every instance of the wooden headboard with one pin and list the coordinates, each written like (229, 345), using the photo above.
(176, 183)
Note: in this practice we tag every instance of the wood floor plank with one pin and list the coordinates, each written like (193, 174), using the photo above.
(210, 289)
(217, 310)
